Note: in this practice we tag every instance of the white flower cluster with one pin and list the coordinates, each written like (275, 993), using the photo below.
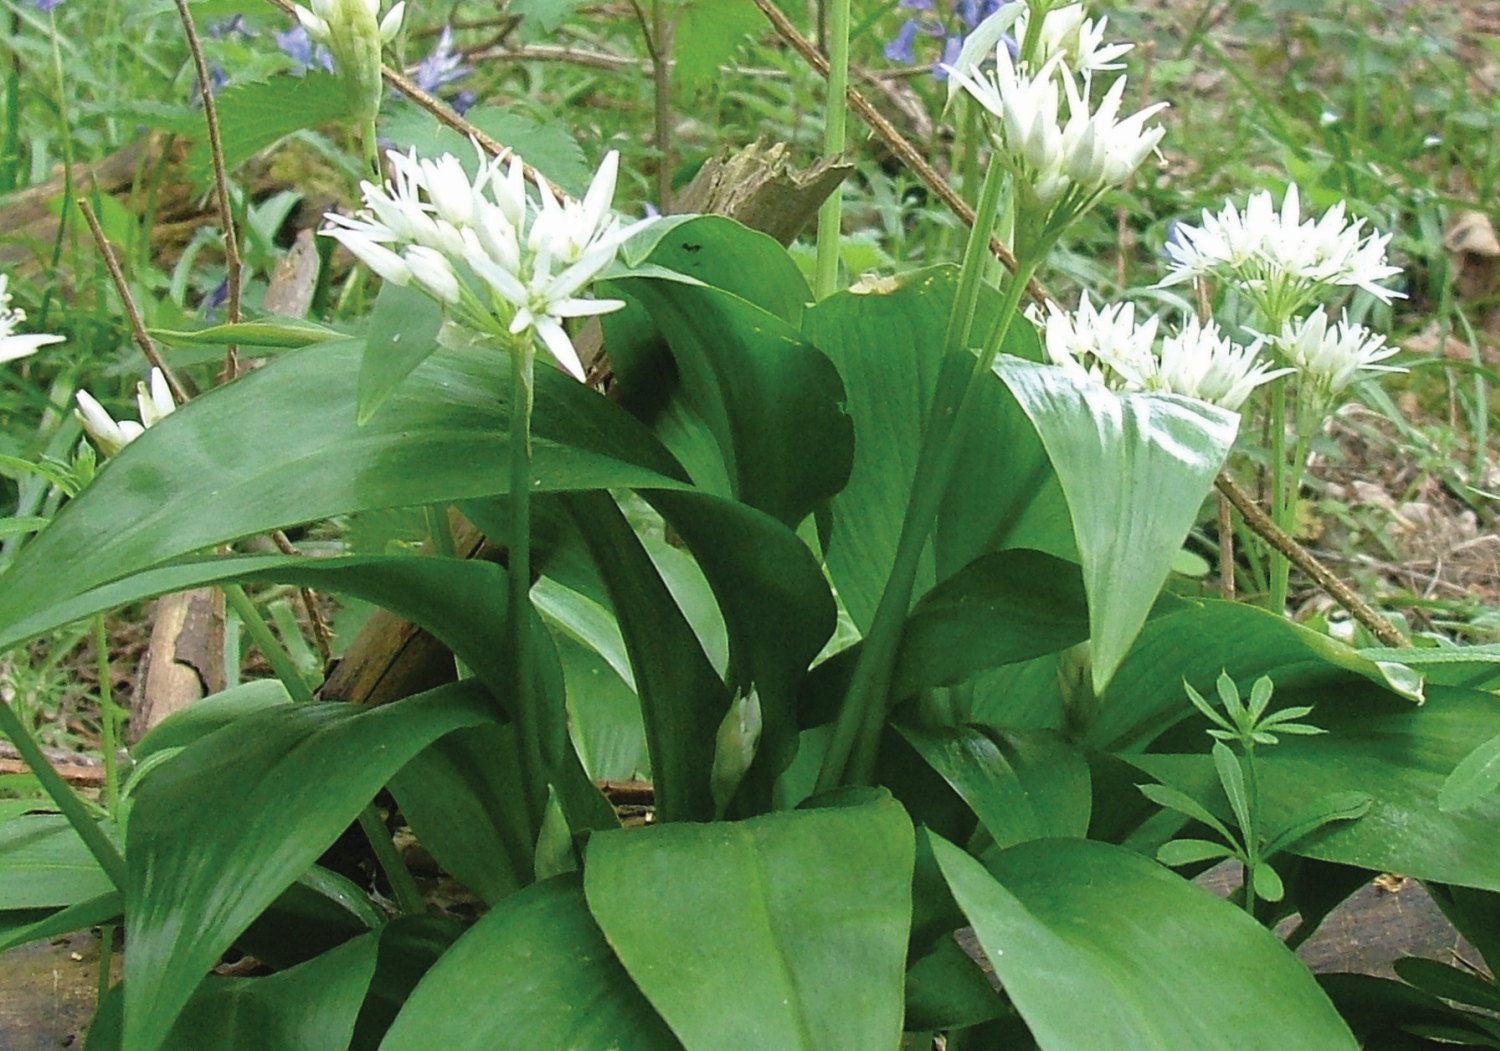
(1282, 261)
(13, 344)
(1063, 163)
(154, 402)
(1105, 345)
(1331, 358)
(431, 224)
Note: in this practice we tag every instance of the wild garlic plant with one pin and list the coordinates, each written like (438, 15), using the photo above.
(1056, 166)
(512, 273)
(1292, 271)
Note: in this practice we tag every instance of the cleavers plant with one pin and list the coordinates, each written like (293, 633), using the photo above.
(870, 585)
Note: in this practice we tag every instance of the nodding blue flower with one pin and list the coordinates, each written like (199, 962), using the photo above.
(298, 46)
(915, 5)
(462, 101)
(899, 50)
(972, 12)
(217, 297)
(46, 7)
(443, 66)
(218, 80)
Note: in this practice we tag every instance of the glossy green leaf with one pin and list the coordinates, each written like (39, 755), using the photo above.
(1098, 947)
(1135, 469)
(1196, 640)
(216, 834)
(1002, 608)
(459, 797)
(319, 911)
(887, 344)
(43, 864)
(403, 334)
(409, 946)
(298, 455)
(682, 697)
(1189, 851)
(208, 714)
(535, 974)
(786, 931)
(1477, 775)
(1340, 806)
(777, 608)
(1477, 667)
(772, 402)
(1383, 746)
(311, 1007)
(1035, 791)
(947, 990)
(1381, 1012)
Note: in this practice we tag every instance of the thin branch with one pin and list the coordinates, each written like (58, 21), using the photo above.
(221, 184)
(1300, 557)
(321, 635)
(893, 139)
(137, 326)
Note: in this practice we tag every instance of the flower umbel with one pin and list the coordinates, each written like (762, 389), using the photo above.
(1283, 262)
(154, 403)
(1106, 345)
(13, 344)
(532, 263)
(1331, 358)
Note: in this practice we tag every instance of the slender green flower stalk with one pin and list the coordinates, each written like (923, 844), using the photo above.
(513, 273)
(830, 215)
(1058, 171)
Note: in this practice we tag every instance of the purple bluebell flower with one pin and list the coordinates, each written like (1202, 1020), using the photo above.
(216, 298)
(230, 27)
(915, 5)
(951, 49)
(899, 49)
(462, 101)
(442, 67)
(46, 7)
(298, 46)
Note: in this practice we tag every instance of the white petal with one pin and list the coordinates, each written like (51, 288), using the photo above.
(377, 257)
(586, 307)
(23, 345)
(601, 192)
(316, 26)
(390, 25)
(557, 341)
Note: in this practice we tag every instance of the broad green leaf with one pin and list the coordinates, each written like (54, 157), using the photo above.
(535, 974)
(1447, 982)
(297, 455)
(709, 34)
(772, 402)
(1340, 806)
(409, 946)
(106, 908)
(1383, 746)
(311, 1007)
(43, 864)
(216, 834)
(1477, 914)
(947, 990)
(1035, 791)
(458, 795)
(777, 607)
(1098, 947)
(1477, 775)
(403, 334)
(1135, 469)
(682, 697)
(1002, 608)
(270, 333)
(254, 115)
(319, 911)
(787, 931)
(204, 716)
(1197, 640)
(887, 344)
(1382, 1012)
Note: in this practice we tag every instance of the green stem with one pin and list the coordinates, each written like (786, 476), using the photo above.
(518, 564)
(831, 214)
(69, 802)
(856, 738)
(1282, 503)
(108, 717)
(403, 884)
(976, 256)
(439, 533)
(371, 147)
(265, 641)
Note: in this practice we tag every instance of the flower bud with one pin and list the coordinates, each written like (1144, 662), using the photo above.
(734, 747)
